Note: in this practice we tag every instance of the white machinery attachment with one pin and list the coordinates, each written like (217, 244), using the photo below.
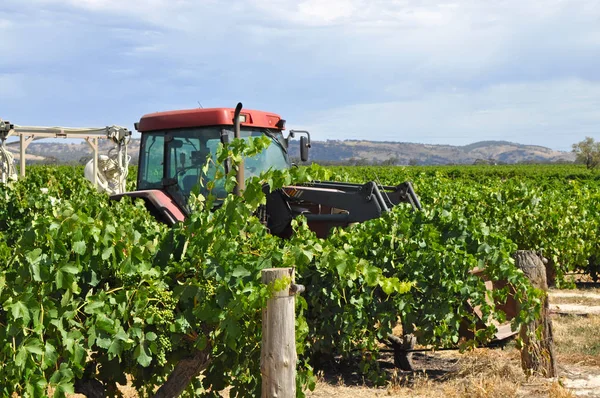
(8, 171)
(108, 173)
(111, 175)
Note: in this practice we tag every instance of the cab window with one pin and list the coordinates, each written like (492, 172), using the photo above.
(152, 152)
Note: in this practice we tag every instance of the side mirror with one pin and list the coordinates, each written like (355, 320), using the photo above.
(304, 142)
(304, 145)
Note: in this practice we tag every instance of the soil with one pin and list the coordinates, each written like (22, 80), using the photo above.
(583, 381)
(440, 373)
(577, 302)
(575, 309)
(585, 294)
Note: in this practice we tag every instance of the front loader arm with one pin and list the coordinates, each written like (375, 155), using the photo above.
(329, 204)
(353, 205)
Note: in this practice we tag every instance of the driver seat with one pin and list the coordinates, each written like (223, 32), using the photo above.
(188, 182)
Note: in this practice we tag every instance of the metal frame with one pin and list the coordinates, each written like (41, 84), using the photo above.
(91, 135)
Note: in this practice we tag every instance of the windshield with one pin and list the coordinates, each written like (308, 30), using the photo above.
(174, 159)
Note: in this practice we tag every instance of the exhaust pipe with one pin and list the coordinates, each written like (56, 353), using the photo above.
(241, 182)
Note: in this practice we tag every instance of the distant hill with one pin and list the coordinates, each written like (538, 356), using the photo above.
(402, 153)
(56, 151)
(354, 152)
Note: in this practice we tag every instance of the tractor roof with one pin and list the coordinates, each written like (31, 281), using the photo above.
(207, 117)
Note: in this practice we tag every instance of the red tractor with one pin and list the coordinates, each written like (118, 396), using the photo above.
(175, 145)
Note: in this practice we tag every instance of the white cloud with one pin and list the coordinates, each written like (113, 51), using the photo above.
(446, 69)
(5, 23)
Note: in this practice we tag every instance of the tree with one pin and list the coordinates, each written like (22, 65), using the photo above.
(587, 152)
(391, 161)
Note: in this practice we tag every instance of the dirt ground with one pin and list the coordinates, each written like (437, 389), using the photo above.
(491, 373)
(485, 372)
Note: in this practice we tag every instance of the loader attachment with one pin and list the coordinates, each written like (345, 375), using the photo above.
(334, 204)
(386, 194)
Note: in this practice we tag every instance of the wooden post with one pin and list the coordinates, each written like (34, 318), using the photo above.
(278, 351)
(537, 355)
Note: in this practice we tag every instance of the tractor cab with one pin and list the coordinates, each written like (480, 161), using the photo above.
(175, 145)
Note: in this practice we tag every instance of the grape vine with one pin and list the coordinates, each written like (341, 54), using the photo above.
(97, 290)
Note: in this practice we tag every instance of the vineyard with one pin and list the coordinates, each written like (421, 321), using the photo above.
(94, 291)
(550, 209)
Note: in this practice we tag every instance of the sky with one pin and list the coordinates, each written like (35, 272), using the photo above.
(423, 71)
